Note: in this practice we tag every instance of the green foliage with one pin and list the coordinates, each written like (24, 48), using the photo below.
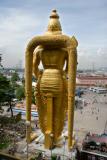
(5, 143)
(6, 120)
(32, 159)
(6, 92)
(15, 77)
(18, 117)
(54, 157)
(9, 88)
(20, 93)
(4, 87)
(38, 156)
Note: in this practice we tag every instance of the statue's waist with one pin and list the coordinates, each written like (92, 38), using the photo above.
(52, 71)
(51, 66)
(53, 75)
(51, 80)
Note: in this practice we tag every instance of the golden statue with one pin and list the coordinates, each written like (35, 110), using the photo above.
(55, 90)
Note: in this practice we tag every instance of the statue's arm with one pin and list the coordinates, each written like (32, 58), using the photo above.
(66, 68)
(36, 62)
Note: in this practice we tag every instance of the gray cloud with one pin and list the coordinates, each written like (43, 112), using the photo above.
(87, 57)
(21, 20)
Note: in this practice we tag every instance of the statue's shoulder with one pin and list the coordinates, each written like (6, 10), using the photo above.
(74, 41)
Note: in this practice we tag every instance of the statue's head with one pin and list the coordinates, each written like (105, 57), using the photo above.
(54, 26)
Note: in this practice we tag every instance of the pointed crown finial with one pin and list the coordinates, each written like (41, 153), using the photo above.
(54, 14)
(54, 26)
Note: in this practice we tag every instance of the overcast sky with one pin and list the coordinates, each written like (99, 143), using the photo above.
(20, 20)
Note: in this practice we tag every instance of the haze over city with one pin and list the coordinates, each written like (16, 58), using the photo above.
(20, 20)
(55, 106)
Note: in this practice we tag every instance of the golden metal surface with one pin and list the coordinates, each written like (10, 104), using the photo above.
(54, 93)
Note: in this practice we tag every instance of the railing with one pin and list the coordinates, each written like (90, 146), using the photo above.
(4, 156)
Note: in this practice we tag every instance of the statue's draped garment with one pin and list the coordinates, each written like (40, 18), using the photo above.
(52, 81)
(57, 54)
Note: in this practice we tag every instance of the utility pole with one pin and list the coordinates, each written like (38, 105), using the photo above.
(0, 59)
(105, 128)
(1, 66)
(93, 67)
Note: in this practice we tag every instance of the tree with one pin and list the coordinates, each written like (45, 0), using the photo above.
(4, 86)
(9, 98)
(15, 77)
(20, 93)
(6, 92)
(0, 61)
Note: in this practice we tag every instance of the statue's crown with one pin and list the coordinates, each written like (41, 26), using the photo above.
(54, 26)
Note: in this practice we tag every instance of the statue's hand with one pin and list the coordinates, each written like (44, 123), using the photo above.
(64, 74)
(40, 73)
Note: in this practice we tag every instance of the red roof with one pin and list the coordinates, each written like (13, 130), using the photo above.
(92, 77)
(99, 139)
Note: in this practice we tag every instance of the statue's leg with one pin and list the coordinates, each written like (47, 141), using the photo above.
(59, 116)
(42, 111)
(45, 111)
(49, 128)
